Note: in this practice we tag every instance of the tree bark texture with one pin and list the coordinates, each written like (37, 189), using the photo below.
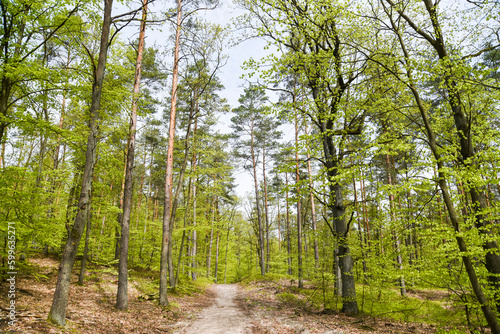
(169, 169)
(122, 292)
(58, 309)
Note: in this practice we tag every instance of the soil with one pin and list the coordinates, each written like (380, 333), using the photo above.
(254, 308)
(225, 315)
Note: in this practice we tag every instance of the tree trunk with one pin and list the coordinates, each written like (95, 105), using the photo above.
(466, 159)
(216, 255)
(288, 236)
(58, 309)
(279, 225)
(313, 206)
(178, 191)
(169, 169)
(227, 246)
(397, 242)
(86, 248)
(299, 211)
(120, 213)
(122, 292)
(194, 248)
(341, 228)
(268, 252)
(360, 229)
(211, 240)
(2, 154)
(256, 185)
(188, 199)
(454, 218)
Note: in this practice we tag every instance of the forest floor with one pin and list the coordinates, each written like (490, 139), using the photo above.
(251, 308)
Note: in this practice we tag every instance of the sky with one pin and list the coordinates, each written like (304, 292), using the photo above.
(230, 75)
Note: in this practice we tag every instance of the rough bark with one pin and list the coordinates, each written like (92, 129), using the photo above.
(211, 239)
(397, 242)
(216, 256)
(58, 309)
(179, 259)
(169, 169)
(86, 248)
(443, 185)
(313, 207)
(195, 241)
(194, 180)
(256, 186)
(266, 210)
(463, 126)
(122, 291)
(299, 207)
(180, 186)
(288, 236)
(341, 228)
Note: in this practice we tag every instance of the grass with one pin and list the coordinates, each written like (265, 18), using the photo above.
(388, 303)
(421, 306)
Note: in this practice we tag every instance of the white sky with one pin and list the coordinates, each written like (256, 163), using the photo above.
(230, 74)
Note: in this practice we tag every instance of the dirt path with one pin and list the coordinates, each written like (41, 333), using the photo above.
(224, 316)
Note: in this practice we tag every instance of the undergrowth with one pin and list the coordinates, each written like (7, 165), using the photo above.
(373, 302)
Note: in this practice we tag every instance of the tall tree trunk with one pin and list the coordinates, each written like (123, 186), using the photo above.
(120, 207)
(149, 202)
(279, 225)
(88, 229)
(58, 309)
(216, 255)
(268, 252)
(453, 215)
(102, 227)
(178, 191)
(122, 292)
(366, 222)
(211, 239)
(466, 159)
(61, 120)
(139, 200)
(299, 211)
(288, 236)
(2, 154)
(341, 227)
(227, 248)
(362, 243)
(256, 185)
(397, 242)
(170, 166)
(195, 241)
(313, 206)
(188, 199)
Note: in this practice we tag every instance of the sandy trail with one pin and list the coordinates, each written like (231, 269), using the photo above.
(224, 316)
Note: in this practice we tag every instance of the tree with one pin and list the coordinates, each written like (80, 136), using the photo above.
(167, 223)
(58, 310)
(25, 30)
(314, 49)
(245, 125)
(169, 169)
(449, 71)
(122, 291)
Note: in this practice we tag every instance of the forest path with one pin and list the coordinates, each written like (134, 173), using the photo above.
(224, 316)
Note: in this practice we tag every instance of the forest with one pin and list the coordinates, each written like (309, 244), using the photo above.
(364, 136)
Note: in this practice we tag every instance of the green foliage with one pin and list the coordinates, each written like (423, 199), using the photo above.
(292, 300)
(387, 303)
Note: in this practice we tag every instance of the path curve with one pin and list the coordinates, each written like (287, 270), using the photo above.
(224, 316)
